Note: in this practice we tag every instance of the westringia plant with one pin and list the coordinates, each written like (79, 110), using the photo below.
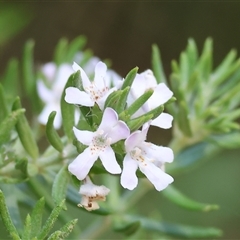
(79, 145)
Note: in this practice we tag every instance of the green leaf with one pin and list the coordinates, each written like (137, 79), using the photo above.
(67, 109)
(3, 104)
(136, 105)
(36, 217)
(192, 53)
(52, 134)
(12, 195)
(18, 16)
(61, 51)
(60, 185)
(117, 100)
(76, 45)
(28, 67)
(191, 156)
(228, 140)
(51, 220)
(136, 123)
(11, 78)
(181, 200)
(127, 228)
(129, 78)
(216, 76)
(183, 119)
(157, 65)
(25, 133)
(27, 228)
(8, 124)
(6, 219)
(68, 228)
(179, 230)
(21, 164)
(55, 236)
(205, 61)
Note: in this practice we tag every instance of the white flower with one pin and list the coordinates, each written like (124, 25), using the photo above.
(92, 193)
(56, 77)
(95, 91)
(110, 131)
(161, 95)
(147, 157)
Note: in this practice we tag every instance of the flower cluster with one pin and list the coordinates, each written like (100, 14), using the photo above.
(115, 128)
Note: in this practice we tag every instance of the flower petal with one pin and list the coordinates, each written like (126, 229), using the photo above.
(109, 161)
(101, 101)
(129, 179)
(159, 153)
(160, 96)
(75, 96)
(135, 139)
(81, 166)
(156, 176)
(100, 72)
(83, 136)
(109, 119)
(44, 93)
(119, 131)
(85, 80)
(164, 120)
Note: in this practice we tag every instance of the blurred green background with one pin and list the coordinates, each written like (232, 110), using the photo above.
(124, 33)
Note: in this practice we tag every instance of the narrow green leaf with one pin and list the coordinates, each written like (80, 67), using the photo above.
(225, 64)
(112, 99)
(3, 104)
(52, 134)
(205, 61)
(123, 100)
(51, 220)
(183, 119)
(157, 65)
(8, 124)
(76, 45)
(25, 133)
(55, 236)
(184, 70)
(191, 156)
(18, 16)
(67, 109)
(11, 193)
(11, 78)
(192, 53)
(6, 219)
(28, 67)
(36, 217)
(181, 200)
(61, 51)
(27, 228)
(127, 228)
(60, 185)
(136, 105)
(67, 228)
(136, 123)
(180, 230)
(129, 78)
